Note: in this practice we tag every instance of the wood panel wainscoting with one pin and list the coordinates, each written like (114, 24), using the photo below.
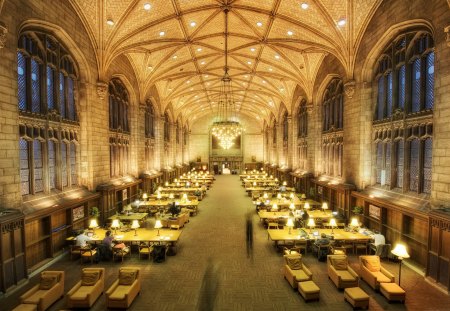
(398, 218)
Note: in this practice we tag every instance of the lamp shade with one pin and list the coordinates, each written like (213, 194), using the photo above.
(324, 205)
(160, 189)
(158, 195)
(127, 207)
(93, 223)
(303, 196)
(284, 183)
(292, 206)
(275, 207)
(307, 207)
(311, 222)
(166, 184)
(254, 184)
(135, 224)
(158, 224)
(115, 224)
(400, 251)
(145, 196)
(197, 184)
(265, 196)
(290, 222)
(279, 196)
(184, 196)
(354, 222)
(333, 222)
(171, 196)
(291, 195)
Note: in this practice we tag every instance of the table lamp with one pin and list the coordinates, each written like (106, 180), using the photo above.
(158, 196)
(92, 225)
(276, 179)
(265, 196)
(254, 184)
(290, 224)
(135, 225)
(127, 209)
(197, 184)
(324, 207)
(354, 223)
(158, 225)
(271, 176)
(284, 183)
(292, 206)
(115, 224)
(175, 180)
(145, 196)
(291, 196)
(400, 251)
(166, 184)
(275, 207)
(311, 224)
(306, 206)
(279, 196)
(184, 197)
(332, 224)
(303, 196)
(171, 196)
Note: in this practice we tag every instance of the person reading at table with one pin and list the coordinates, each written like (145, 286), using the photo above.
(321, 245)
(82, 239)
(105, 248)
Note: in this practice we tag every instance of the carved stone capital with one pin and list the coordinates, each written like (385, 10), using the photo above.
(349, 88)
(3, 32)
(102, 89)
(447, 38)
(309, 108)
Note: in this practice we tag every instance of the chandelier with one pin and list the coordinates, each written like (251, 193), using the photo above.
(226, 128)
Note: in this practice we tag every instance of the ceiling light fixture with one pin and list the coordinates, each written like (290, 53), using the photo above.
(259, 24)
(341, 22)
(304, 6)
(162, 34)
(193, 24)
(199, 49)
(147, 6)
(277, 56)
(175, 57)
(253, 49)
(290, 33)
(226, 128)
(110, 22)
(270, 69)
(202, 63)
(249, 62)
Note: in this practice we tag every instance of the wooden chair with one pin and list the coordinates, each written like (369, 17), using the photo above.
(272, 225)
(75, 250)
(88, 252)
(361, 245)
(120, 252)
(348, 245)
(145, 249)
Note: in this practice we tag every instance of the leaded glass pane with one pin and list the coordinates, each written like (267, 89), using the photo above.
(38, 166)
(427, 159)
(389, 94)
(71, 99)
(73, 163)
(341, 154)
(380, 101)
(64, 164)
(50, 86)
(24, 167)
(388, 164)
(52, 164)
(35, 87)
(379, 161)
(429, 85)
(400, 157)
(401, 87)
(22, 81)
(111, 160)
(415, 85)
(414, 165)
(62, 95)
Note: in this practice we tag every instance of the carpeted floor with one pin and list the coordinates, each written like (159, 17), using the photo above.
(212, 270)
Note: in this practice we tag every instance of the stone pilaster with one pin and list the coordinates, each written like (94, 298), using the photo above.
(3, 33)
(447, 37)
(159, 142)
(290, 146)
(102, 89)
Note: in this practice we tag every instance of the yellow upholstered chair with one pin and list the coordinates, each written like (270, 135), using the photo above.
(295, 271)
(145, 250)
(86, 292)
(124, 290)
(75, 250)
(49, 290)
(88, 252)
(120, 251)
(373, 273)
(340, 272)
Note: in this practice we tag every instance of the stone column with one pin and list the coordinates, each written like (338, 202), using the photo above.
(141, 140)
(159, 142)
(291, 144)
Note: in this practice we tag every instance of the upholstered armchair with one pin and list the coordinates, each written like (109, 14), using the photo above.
(124, 290)
(340, 272)
(373, 273)
(295, 271)
(86, 292)
(49, 290)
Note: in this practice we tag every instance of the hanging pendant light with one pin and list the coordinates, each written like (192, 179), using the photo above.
(226, 128)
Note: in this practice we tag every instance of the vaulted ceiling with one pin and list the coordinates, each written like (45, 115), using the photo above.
(178, 46)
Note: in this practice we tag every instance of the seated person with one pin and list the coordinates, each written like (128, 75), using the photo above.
(82, 239)
(282, 188)
(320, 246)
(105, 248)
(378, 239)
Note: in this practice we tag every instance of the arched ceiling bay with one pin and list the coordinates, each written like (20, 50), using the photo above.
(178, 47)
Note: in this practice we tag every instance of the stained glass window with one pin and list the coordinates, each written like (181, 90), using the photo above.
(387, 164)
(380, 104)
(38, 166)
(64, 164)
(35, 87)
(24, 166)
(400, 158)
(414, 165)
(389, 94)
(22, 81)
(50, 86)
(427, 163)
(379, 161)
(415, 85)
(71, 99)
(52, 163)
(62, 94)
(429, 85)
(73, 164)
(401, 87)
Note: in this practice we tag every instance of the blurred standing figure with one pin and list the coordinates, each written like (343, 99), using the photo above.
(210, 286)
(249, 235)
